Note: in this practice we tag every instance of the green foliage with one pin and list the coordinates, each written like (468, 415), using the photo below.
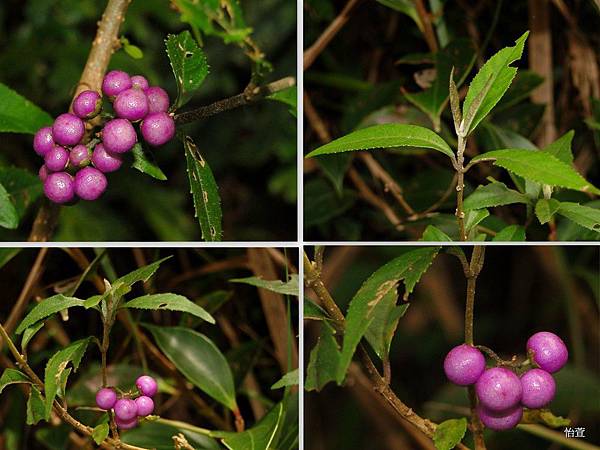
(100, 433)
(289, 379)
(171, 302)
(324, 360)
(12, 376)
(8, 213)
(47, 307)
(582, 215)
(160, 437)
(18, 190)
(36, 408)
(19, 115)
(493, 194)
(449, 433)
(260, 437)
(288, 97)
(287, 288)
(144, 162)
(545, 209)
(434, 234)
(510, 233)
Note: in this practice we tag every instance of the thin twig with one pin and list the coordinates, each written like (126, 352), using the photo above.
(425, 19)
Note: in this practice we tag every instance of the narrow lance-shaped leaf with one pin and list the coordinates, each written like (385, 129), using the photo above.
(582, 215)
(561, 148)
(493, 194)
(144, 162)
(385, 321)
(289, 379)
(259, 437)
(19, 115)
(171, 302)
(46, 308)
(454, 102)
(290, 287)
(205, 193)
(12, 376)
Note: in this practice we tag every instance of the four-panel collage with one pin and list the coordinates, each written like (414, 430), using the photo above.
(300, 225)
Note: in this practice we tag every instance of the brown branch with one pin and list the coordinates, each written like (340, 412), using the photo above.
(425, 19)
(245, 98)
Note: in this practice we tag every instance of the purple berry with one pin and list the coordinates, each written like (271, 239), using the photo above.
(499, 389)
(43, 141)
(464, 365)
(105, 161)
(59, 187)
(118, 136)
(158, 128)
(43, 173)
(538, 388)
(90, 183)
(115, 82)
(87, 104)
(80, 156)
(126, 424)
(125, 409)
(549, 351)
(56, 159)
(145, 406)
(139, 82)
(158, 99)
(68, 129)
(106, 398)
(147, 385)
(131, 104)
(504, 421)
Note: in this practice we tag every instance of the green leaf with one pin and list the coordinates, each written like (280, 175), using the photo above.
(199, 360)
(474, 218)
(449, 433)
(12, 376)
(36, 410)
(582, 215)
(189, 65)
(538, 166)
(144, 162)
(157, 436)
(510, 233)
(100, 433)
(289, 379)
(259, 437)
(561, 148)
(8, 213)
(385, 136)
(361, 312)
(385, 321)
(313, 311)
(493, 194)
(205, 193)
(29, 333)
(19, 115)
(289, 97)
(142, 274)
(46, 308)
(498, 70)
(134, 51)
(171, 302)
(404, 6)
(324, 361)
(23, 188)
(434, 234)
(6, 254)
(545, 209)
(287, 288)
(57, 365)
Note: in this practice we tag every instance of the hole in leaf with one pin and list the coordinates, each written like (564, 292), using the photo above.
(162, 305)
(188, 54)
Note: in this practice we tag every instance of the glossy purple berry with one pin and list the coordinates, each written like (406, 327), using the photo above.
(158, 99)
(538, 388)
(87, 104)
(498, 389)
(115, 82)
(145, 406)
(106, 398)
(126, 424)
(549, 351)
(105, 161)
(499, 422)
(147, 385)
(125, 409)
(139, 82)
(118, 136)
(43, 141)
(90, 183)
(43, 173)
(59, 187)
(79, 156)
(464, 365)
(158, 128)
(68, 129)
(56, 159)
(131, 104)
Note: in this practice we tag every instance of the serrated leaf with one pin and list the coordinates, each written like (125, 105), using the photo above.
(288, 97)
(100, 433)
(205, 193)
(510, 233)
(144, 162)
(46, 308)
(449, 433)
(23, 188)
(12, 376)
(142, 274)
(199, 360)
(290, 287)
(493, 194)
(57, 364)
(8, 213)
(259, 437)
(561, 148)
(434, 234)
(36, 409)
(498, 70)
(538, 166)
(171, 302)
(189, 65)
(19, 115)
(582, 215)
(323, 361)
(385, 136)
(289, 379)
(409, 267)
(545, 209)
(383, 326)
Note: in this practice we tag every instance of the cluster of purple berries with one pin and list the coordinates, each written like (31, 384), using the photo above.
(501, 393)
(67, 173)
(128, 410)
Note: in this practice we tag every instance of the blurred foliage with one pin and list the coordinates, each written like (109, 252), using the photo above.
(252, 150)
